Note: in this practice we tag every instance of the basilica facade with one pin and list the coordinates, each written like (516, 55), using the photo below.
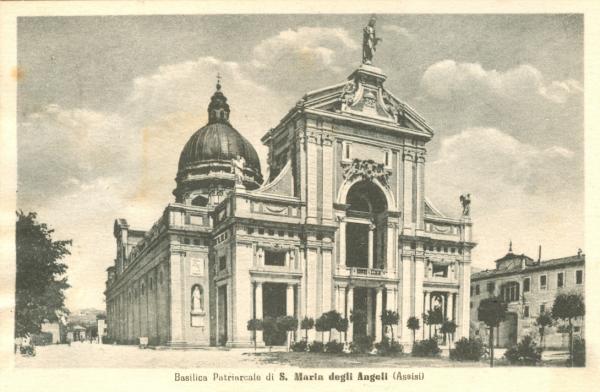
(341, 222)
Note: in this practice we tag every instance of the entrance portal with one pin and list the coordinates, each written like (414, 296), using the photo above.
(274, 304)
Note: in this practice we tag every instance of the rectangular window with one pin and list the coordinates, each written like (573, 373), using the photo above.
(526, 311)
(440, 271)
(543, 282)
(472, 290)
(491, 287)
(560, 279)
(222, 263)
(510, 291)
(477, 290)
(275, 258)
(579, 276)
(526, 284)
(387, 158)
(542, 308)
(346, 153)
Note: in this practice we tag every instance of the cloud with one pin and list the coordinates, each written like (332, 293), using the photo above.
(303, 59)
(447, 79)
(60, 148)
(519, 191)
(401, 31)
(81, 169)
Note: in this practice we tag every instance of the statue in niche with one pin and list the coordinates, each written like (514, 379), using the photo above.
(238, 164)
(465, 200)
(370, 41)
(197, 299)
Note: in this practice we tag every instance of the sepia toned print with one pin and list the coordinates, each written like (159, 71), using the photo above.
(300, 191)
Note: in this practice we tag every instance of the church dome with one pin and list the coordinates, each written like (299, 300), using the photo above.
(216, 142)
(207, 158)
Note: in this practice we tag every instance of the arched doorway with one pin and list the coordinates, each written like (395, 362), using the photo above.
(366, 226)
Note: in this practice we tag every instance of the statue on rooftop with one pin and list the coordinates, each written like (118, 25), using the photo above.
(370, 41)
(238, 164)
(465, 200)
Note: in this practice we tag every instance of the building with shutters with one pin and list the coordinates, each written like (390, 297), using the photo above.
(528, 287)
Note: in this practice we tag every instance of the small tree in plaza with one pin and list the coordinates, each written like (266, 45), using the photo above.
(448, 328)
(306, 324)
(435, 318)
(342, 327)
(288, 324)
(567, 307)
(332, 320)
(321, 326)
(491, 311)
(389, 318)
(543, 321)
(413, 325)
(254, 325)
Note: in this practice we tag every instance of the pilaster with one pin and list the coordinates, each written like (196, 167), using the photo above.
(176, 291)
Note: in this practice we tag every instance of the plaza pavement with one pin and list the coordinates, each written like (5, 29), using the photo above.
(88, 355)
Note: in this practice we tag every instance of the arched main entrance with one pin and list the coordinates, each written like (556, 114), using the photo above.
(366, 218)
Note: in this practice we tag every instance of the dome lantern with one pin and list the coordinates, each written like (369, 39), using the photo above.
(209, 164)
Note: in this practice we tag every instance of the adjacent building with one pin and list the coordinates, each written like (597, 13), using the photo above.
(529, 288)
(340, 222)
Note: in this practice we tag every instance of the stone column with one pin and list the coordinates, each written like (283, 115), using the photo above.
(420, 199)
(289, 307)
(390, 303)
(463, 298)
(370, 257)
(312, 194)
(349, 307)
(327, 173)
(378, 313)
(426, 307)
(391, 250)
(405, 287)
(418, 282)
(342, 241)
(450, 312)
(408, 162)
(370, 312)
(326, 280)
(258, 309)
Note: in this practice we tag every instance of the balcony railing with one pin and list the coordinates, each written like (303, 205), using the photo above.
(360, 271)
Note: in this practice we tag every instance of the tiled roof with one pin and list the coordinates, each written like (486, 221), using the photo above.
(547, 264)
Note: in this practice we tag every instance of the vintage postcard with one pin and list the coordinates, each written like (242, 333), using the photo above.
(217, 195)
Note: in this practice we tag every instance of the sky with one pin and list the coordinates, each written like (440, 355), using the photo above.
(105, 105)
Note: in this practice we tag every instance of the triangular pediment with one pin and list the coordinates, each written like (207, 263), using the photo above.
(364, 97)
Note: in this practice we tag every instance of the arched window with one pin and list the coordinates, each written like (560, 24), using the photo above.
(200, 201)
(197, 298)
(366, 227)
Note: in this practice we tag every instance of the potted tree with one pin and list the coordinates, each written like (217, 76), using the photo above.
(254, 325)
(306, 324)
(389, 318)
(491, 311)
(567, 307)
(448, 328)
(413, 325)
(288, 324)
(543, 321)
